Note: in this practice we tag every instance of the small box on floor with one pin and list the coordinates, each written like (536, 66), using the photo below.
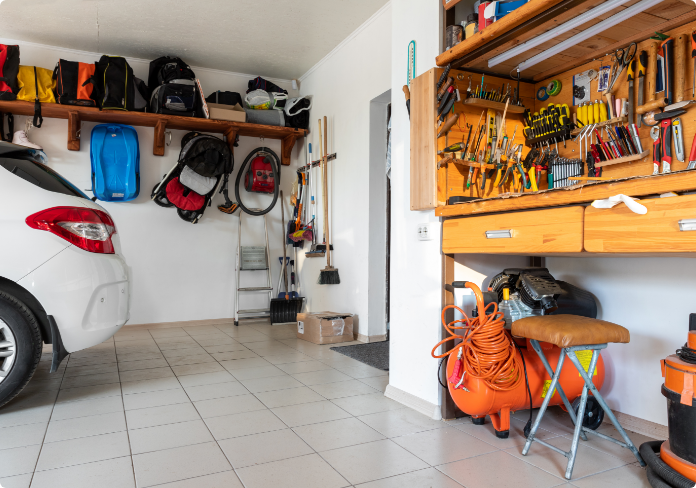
(325, 327)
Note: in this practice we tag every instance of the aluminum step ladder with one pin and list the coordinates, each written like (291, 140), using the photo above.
(249, 259)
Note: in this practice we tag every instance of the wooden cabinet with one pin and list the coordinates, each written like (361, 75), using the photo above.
(668, 227)
(550, 231)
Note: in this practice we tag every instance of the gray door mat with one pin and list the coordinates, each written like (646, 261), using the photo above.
(375, 354)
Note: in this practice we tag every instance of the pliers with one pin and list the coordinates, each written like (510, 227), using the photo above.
(518, 166)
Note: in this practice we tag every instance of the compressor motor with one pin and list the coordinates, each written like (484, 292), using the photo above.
(534, 291)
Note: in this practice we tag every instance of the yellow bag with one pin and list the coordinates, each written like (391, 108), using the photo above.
(29, 77)
(36, 85)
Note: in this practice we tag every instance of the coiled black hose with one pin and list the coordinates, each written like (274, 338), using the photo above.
(275, 168)
(661, 474)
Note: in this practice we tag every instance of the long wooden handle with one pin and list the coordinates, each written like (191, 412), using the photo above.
(326, 196)
(651, 75)
(679, 68)
(407, 92)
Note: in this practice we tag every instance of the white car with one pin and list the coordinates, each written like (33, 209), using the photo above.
(63, 280)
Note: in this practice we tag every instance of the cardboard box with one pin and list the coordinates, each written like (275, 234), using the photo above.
(233, 113)
(325, 327)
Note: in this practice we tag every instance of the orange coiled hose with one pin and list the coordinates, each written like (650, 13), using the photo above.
(488, 351)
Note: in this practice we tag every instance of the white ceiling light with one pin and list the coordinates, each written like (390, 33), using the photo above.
(589, 32)
(557, 31)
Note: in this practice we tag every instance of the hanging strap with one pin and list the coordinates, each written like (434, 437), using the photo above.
(10, 127)
(38, 119)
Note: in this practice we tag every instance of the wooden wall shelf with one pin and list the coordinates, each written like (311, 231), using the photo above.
(75, 115)
(539, 16)
(638, 186)
(483, 103)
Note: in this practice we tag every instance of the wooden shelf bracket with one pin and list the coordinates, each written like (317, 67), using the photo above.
(158, 145)
(231, 137)
(74, 131)
(287, 143)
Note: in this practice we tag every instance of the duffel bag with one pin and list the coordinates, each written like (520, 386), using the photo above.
(74, 83)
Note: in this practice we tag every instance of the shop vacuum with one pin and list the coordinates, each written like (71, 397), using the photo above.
(672, 463)
(492, 373)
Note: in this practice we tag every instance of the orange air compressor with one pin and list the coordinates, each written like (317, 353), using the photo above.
(491, 373)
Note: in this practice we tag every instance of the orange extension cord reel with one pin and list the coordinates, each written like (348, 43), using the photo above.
(485, 372)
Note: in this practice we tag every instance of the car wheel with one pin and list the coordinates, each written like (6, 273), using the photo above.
(20, 346)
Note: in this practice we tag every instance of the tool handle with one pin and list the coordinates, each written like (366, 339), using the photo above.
(651, 106)
(679, 68)
(668, 55)
(651, 73)
(407, 92)
(666, 129)
(642, 63)
(610, 105)
(631, 69)
(443, 89)
(693, 44)
(692, 154)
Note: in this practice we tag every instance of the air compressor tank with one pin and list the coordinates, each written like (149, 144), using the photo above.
(480, 400)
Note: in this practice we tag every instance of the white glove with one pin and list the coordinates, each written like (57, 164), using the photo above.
(631, 203)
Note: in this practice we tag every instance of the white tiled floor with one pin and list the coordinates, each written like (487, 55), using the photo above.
(254, 407)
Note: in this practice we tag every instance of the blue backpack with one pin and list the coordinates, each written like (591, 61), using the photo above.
(115, 156)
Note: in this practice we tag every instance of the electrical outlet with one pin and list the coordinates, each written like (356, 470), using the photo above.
(425, 232)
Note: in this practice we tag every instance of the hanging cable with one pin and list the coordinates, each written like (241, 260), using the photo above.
(488, 351)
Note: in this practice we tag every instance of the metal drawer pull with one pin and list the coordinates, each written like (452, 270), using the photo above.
(507, 234)
(687, 224)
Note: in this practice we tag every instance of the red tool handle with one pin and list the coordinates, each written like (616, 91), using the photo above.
(666, 129)
(692, 154)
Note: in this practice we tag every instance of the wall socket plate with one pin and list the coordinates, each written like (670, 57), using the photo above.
(425, 232)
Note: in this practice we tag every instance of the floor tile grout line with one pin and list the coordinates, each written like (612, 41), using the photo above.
(208, 429)
(43, 440)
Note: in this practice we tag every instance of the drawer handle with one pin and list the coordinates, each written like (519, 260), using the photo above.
(500, 234)
(687, 224)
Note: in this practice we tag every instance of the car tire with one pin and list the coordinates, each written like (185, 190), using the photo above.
(20, 346)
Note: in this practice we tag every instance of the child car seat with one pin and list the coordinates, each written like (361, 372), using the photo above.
(115, 156)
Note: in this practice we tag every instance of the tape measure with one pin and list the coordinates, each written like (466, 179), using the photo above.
(554, 88)
(542, 95)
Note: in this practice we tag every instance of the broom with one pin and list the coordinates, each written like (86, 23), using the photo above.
(328, 275)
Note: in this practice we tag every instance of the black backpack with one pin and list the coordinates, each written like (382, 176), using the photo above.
(172, 85)
(166, 69)
(114, 87)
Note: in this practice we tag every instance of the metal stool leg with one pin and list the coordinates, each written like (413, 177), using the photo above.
(581, 410)
(595, 392)
(559, 389)
(544, 405)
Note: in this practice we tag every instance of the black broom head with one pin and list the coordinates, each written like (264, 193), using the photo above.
(329, 276)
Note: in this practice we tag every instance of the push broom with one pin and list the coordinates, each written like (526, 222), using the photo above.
(328, 275)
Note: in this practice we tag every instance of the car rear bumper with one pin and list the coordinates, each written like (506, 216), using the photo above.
(88, 294)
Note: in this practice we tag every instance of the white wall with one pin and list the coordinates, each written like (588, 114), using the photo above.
(415, 265)
(180, 271)
(343, 85)
(652, 298)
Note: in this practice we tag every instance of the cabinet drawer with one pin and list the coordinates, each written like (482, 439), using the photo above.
(618, 230)
(557, 230)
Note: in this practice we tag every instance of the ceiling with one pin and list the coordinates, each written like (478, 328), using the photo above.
(278, 38)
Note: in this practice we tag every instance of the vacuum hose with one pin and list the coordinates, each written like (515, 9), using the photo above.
(660, 475)
(275, 168)
(489, 352)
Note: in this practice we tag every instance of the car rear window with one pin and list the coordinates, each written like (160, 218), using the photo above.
(41, 175)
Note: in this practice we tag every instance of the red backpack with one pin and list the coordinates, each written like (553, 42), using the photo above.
(9, 67)
(259, 176)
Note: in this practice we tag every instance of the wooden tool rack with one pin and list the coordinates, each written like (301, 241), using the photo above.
(76, 114)
(556, 222)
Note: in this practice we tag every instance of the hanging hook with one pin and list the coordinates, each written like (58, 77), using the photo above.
(168, 133)
(28, 124)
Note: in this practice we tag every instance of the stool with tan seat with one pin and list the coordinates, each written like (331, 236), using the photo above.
(572, 333)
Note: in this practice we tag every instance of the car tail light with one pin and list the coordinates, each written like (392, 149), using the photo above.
(87, 228)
